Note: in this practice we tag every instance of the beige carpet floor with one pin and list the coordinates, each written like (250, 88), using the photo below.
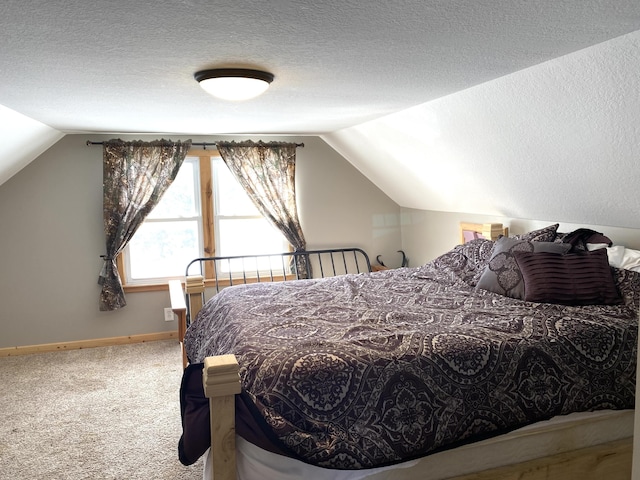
(99, 413)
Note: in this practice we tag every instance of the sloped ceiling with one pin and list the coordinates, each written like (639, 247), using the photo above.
(360, 74)
(22, 139)
(559, 141)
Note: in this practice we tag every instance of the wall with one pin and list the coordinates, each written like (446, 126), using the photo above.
(427, 234)
(557, 140)
(52, 238)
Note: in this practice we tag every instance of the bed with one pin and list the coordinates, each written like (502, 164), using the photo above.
(418, 372)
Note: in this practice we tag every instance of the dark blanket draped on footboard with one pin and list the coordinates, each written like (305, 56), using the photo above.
(365, 370)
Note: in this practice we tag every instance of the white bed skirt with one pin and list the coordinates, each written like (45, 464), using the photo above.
(558, 435)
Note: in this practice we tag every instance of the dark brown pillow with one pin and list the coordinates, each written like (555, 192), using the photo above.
(502, 275)
(572, 279)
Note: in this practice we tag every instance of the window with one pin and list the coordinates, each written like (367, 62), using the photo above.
(205, 212)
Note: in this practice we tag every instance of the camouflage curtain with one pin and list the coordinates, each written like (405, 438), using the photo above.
(135, 176)
(267, 172)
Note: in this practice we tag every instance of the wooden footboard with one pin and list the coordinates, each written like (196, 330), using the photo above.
(610, 461)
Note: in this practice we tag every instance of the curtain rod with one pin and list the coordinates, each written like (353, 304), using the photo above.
(204, 145)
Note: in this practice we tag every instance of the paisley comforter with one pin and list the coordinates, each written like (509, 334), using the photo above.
(366, 370)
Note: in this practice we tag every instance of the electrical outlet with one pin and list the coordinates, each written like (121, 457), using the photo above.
(168, 315)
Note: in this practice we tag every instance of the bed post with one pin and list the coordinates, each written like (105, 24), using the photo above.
(194, 288)
(492, 231)
(179, 307)
(221, 383)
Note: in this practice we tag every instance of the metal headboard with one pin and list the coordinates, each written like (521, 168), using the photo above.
(215, 273)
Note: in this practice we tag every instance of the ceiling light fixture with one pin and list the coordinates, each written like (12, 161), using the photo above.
(234, 83)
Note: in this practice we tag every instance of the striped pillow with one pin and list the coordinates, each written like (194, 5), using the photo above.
(572, 279)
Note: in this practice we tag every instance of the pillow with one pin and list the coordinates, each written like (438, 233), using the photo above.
(546, 234)
(502, 275)
(596, 246)
(626, 258)
(582, 237)
(572, 279)
(616, 255)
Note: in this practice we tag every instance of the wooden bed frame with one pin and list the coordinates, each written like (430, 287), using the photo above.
(221, 381)
(490, 231)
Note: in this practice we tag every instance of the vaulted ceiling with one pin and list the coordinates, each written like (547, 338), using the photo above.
(343, 70)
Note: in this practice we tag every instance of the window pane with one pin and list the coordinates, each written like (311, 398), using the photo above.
(231, 199)
(254, 236)
(163, 249)
(179, 201)
(248, 236)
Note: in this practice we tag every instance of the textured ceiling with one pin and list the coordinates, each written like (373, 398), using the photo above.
(543, 123)
(127, 67)
(558, 141)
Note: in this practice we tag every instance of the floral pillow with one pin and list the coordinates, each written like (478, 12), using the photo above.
(502, 274)
(546, 234)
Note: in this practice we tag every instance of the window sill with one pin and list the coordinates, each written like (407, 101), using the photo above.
(158, 287)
